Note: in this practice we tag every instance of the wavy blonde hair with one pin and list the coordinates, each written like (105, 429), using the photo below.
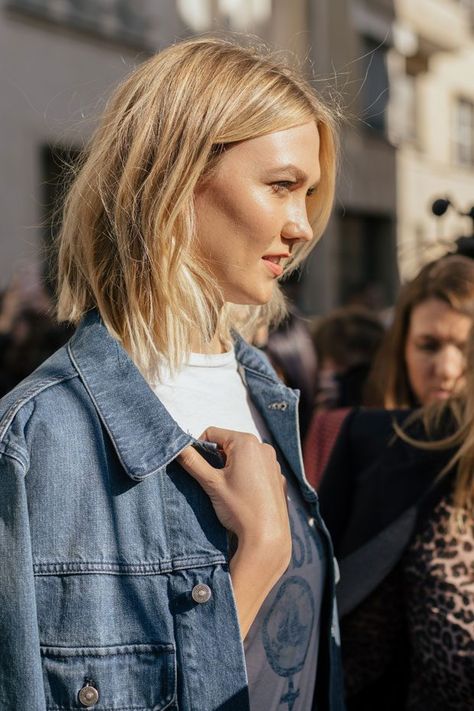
(126, 245)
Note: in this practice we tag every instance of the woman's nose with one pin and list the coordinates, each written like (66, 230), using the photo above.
(298, 230)
(450, 363)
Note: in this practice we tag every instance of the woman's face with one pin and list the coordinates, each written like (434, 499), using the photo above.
(253, 210)
(435, 350)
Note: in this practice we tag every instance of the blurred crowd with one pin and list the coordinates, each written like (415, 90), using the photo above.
(29, 333)
(387, 425)
(387, 421)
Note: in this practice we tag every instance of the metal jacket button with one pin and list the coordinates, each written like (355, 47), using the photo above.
(88, 695)
(201, 593)
(278, 406)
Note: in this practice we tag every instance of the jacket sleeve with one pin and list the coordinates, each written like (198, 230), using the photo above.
(21, 678)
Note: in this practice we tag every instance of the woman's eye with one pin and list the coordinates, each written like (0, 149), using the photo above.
(429, 347)
(282, 186)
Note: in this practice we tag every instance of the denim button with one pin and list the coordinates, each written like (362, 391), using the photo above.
(88, 695)
(201, 593)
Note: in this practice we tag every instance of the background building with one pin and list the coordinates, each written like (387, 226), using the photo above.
(400, 71)
(432, 123)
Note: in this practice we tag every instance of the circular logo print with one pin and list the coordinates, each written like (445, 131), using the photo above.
(288, 625)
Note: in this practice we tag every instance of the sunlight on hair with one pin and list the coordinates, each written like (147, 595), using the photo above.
(127, 244)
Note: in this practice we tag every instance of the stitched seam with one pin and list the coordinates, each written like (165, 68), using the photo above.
(11, 455)
(113, 708)
(85, 653)
(103, 568)
(29, 395)
(181, 443)
(261, 375)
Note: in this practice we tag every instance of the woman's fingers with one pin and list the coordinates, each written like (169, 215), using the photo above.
(225, 438)
(196, 466)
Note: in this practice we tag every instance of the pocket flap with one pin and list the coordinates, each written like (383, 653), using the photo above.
(137, 676)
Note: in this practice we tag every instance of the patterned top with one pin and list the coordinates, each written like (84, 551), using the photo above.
(439, 590)
(425, 605)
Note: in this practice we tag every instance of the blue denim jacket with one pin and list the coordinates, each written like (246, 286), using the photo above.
(104, 541)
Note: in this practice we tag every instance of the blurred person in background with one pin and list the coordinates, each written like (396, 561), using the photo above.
(28, 332)
(397, 496)
(345, 342)
(163, 548)
(422, 357)
(291, 352)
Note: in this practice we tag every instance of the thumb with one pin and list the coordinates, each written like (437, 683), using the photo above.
(196, 466)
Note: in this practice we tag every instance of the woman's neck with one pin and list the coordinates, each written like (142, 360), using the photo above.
(213, 347)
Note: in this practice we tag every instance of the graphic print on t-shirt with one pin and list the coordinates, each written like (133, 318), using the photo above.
(282, 645)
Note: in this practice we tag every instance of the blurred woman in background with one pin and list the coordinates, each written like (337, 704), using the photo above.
(422, 356)
(397, 496)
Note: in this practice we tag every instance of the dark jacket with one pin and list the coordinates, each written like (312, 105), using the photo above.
(376, 491)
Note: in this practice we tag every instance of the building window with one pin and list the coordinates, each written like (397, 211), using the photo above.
(367, 260)
(118, 20)
(201, 15)
(468, 5)
(464, 132)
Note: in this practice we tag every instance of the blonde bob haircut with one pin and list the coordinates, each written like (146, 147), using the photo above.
(126, 245)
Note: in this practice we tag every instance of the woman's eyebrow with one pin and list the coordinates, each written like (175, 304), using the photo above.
(299, 174)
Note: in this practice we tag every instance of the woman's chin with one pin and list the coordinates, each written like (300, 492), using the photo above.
(254, 297)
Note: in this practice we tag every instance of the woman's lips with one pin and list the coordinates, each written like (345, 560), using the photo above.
(441, 393)
(274, 266)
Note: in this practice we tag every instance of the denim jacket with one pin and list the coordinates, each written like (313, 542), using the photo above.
(115, 591)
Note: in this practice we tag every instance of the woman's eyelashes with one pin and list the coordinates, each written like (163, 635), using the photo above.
(434, 345)
(284, 186)
(429, 347)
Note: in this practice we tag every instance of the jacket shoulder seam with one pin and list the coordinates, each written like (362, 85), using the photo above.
(15, 454)
(17, 405)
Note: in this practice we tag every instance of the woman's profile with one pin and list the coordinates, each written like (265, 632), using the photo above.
(161, 547)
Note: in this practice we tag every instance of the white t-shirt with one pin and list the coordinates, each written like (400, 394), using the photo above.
(208, 391)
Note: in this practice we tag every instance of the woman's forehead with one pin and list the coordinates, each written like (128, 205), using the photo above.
(293, 150)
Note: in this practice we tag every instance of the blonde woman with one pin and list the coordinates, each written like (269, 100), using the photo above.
(161, 546)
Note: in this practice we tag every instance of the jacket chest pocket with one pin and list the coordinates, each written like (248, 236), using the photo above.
(141, 677)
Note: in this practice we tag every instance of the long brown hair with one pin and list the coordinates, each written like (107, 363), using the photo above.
(456, 414)
(450, 279)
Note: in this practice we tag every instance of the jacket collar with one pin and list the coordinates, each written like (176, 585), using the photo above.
(145, 436)
(277, 404)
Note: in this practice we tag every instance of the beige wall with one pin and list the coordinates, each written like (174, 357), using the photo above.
(53, 82)
(427, 167)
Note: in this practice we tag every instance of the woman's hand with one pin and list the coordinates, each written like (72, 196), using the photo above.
(249, 498)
